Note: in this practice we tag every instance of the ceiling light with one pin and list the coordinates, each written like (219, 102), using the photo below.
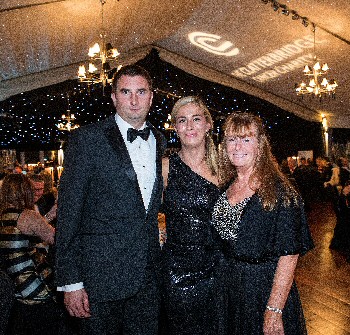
(275, 5)
(67, 120)
(101, 54)
(295, 15)
(305, 21)
(285, 10)
(318, 83)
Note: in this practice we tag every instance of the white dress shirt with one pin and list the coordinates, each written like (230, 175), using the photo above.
(143, 157)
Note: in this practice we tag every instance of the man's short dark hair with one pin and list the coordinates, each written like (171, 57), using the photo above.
(131, 70)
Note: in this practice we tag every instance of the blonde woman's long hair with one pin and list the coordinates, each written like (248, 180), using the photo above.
(211, 155)
(272, 184)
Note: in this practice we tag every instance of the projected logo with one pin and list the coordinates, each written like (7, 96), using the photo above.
(273, 64)
(213, 44)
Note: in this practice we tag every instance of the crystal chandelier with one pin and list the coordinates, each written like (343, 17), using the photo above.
(67, 119)
(102, 53)
(318, 83)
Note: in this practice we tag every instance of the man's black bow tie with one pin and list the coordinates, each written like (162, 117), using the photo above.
(133, 133)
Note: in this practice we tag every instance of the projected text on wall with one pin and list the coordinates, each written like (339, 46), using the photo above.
(269, 66)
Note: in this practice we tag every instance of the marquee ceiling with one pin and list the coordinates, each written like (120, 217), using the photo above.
(244, 44)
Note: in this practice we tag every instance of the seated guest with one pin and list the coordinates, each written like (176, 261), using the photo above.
(18, 169)
(44, 195)
(47, 203)
(21, 228)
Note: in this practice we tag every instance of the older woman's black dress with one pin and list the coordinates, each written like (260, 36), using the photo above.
(253, 241)
(191, 290)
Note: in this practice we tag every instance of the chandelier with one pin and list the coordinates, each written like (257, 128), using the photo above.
(318, 83)
(67, 119)
(102, 53)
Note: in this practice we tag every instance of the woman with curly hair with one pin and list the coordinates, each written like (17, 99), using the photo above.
(35, 310)
(260, 218)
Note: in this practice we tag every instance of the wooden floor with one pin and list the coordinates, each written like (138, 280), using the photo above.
(323, 279)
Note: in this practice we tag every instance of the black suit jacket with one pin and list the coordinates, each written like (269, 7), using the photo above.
(105, 237)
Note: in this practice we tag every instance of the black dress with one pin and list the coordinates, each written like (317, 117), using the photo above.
(253, 240)
(191, 290)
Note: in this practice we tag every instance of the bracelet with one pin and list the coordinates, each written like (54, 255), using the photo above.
(274, 309)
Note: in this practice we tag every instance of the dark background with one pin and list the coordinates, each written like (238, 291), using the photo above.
(28, 120)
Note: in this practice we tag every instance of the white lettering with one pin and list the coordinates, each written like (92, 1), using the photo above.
(283, 69)
(276, 56)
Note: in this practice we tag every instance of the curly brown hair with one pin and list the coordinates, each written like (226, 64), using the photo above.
(16, 192)
(272, 184)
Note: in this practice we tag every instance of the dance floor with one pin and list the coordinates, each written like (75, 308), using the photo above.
(323, 278)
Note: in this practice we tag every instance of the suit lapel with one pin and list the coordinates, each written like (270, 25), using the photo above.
(116, 141)
(159, 153)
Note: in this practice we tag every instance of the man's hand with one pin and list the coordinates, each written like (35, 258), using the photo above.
(77, 303)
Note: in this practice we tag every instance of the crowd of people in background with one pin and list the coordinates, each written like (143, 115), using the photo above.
(85, 257)
(325, 180)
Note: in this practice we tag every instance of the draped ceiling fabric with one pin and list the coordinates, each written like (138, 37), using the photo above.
(243, 44)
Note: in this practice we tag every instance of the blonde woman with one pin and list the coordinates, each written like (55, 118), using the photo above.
(260, 218)
(191, 188)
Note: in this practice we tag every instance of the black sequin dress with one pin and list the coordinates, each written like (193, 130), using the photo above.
(253, 240)
(191, 289)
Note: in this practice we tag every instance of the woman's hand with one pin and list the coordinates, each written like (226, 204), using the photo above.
(52, 213)
(273, 324)
(282, 282)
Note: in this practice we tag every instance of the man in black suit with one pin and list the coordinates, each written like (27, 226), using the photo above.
(108, 253)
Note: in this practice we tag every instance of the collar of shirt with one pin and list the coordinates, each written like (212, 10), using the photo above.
(124, 126)
(143, 157)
